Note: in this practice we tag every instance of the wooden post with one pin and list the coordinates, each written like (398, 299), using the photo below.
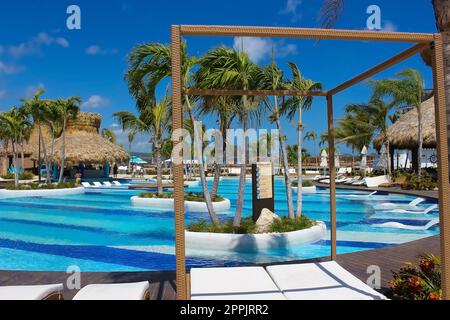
(332, 176)
(443, 165)
(178, 174)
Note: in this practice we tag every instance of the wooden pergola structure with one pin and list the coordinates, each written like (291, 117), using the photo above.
(421, 41)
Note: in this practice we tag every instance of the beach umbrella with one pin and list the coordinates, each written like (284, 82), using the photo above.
(364, 158)
(137, 160)
(323, 160)
(106, 169)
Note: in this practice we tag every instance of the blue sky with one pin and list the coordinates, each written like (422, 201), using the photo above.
(37, 50)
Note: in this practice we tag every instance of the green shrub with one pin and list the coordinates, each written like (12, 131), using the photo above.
(9, 175)
(305, 183)
(248, 226)
(413, 182)
(287, 225)
(188, 196)
(25, 175)
(418, 283)
(36, 186)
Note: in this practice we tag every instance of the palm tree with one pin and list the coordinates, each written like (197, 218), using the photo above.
(227, 68)
(367, 120)
(36, 108)
(407, 89)
(14, 124)
(297, 105)
(153, 119)
(68, 109)
(109, 135)
(312, 136)
(151, 63)
(272, 78)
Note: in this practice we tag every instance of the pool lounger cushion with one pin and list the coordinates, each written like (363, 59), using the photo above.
(320, 281)
(33, 292)
(115, 291)
(86, 184)
(234, 283)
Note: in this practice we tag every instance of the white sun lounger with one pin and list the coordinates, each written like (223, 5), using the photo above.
(425, 211)
(115, 291)
(116, 183)
(361, 196)
(86, 184)
(320, 281)
(375, 182)
(398, 225)
(237, 283)
(107, 183)
(410, 206)
(39, 292)
(353, 180)
(359, 182)
(97, 184)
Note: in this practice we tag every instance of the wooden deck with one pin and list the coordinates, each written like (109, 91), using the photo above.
(162, 283)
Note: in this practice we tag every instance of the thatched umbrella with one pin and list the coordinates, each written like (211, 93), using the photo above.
(84, 144)
(403, 134)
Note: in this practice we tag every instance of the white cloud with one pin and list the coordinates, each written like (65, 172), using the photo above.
(261, 48)
(31, 89)
(95, 101)
(9, 68)
(291, 8)
(2, 93)
(94, 50)
(140, 143)
(35, 44)
(389, 26)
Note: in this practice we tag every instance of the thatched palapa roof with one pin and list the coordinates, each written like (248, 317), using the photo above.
(85, 144)
(403, 134)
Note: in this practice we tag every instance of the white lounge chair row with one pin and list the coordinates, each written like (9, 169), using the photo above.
(371, 182)
(98, 184)
(309, 281)
(115, 291)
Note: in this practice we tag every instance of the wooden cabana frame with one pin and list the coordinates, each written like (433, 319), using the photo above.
(421, 40)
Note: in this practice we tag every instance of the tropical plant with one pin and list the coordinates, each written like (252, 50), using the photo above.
(13, 125)
(296, 105)
(418, 283)
(109, 135)
(407, 89)
(312, 136)
(229, 69)
(153, 119)
(149, 64)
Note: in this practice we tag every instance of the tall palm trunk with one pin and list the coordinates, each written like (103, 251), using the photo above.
(199, 152)
(287, 178)
(158, 167)
(317, 155)
(63, 151)
(22, 156)
(241, 188)
(299, 163)
(218, 166)
(47, 162)
(388, 147)
(16, 173)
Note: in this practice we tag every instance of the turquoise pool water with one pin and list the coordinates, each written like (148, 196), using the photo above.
(101, 231)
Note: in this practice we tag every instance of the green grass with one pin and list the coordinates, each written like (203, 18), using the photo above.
(188, 196)
(35, 186)
(249, 227)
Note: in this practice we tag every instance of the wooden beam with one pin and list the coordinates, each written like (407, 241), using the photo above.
(303, 33)
(178, 174)
(443, 162)
(238, 92)
(382, 66)
(332, 177)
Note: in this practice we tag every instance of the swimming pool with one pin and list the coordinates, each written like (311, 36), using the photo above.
(101, 231)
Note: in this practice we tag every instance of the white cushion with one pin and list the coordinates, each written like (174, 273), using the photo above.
(114, 291)
(38, 292)
(320, 281)
(86, 184)
(240, 283)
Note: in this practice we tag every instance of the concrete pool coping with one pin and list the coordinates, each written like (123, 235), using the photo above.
(7, 194)
(168, 203)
